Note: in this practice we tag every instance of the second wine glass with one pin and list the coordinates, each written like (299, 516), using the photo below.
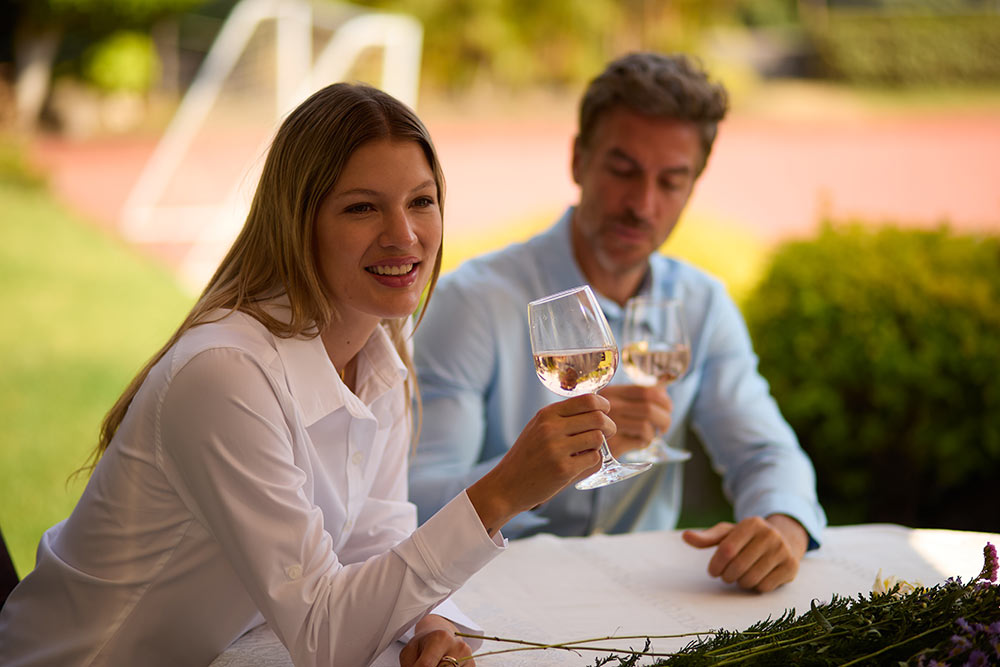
(575, 353)
(655, 351)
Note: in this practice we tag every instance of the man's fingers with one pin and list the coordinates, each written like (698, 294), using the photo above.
(751, 543)
(708, 537)
(778, 576)
(751, 571)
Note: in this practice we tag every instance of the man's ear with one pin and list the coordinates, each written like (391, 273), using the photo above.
(576, 162)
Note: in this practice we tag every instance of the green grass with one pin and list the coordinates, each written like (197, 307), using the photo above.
(83, 313)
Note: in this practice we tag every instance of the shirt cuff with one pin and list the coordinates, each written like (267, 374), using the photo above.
(451, 546)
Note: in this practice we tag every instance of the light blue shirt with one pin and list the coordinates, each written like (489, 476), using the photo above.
(479, 389)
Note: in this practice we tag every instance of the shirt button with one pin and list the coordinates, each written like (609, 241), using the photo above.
(348, 526)
(294, 571)
(357, 458)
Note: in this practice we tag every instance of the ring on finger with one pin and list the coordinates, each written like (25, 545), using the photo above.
(448, 660)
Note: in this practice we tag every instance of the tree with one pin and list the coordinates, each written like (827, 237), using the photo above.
(41, 28)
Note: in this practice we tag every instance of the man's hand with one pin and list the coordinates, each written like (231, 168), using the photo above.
(759, 554)
(640, 413)
(434, 638)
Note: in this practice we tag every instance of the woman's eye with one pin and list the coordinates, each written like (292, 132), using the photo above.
(363, 207)
(423, 202)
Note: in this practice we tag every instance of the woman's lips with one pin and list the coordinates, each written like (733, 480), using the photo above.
(394, 274)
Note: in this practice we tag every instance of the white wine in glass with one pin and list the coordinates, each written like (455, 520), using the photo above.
(575, 354)
(656, 352)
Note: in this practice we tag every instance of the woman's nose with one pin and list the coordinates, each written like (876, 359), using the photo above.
(398, 231)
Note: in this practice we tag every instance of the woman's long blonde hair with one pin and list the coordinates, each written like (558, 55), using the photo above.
(274, 253)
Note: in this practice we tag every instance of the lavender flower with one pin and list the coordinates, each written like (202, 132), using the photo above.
(959, 645)
(977, 659)
(989, 563)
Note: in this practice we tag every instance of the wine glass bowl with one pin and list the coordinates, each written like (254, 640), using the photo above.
(575, 353)
(656, 351)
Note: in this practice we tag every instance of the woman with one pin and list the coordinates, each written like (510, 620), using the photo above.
(255, 469)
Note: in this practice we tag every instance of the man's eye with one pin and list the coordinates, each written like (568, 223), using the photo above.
(622, 171)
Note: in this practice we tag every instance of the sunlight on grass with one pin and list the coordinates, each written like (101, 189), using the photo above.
(87, 313)
(724, 249)
(460, 247)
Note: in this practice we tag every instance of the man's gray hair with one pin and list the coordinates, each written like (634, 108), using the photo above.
(660, 85)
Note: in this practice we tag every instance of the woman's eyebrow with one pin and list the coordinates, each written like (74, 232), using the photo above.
(368, 192)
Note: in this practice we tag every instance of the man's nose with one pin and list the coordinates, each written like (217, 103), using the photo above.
(643, 199)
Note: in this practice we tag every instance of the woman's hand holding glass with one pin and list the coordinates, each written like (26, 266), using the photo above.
(559, 446)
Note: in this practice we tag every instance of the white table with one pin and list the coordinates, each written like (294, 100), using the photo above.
(550, 589)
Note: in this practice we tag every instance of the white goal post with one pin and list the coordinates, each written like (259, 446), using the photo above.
(203, 229)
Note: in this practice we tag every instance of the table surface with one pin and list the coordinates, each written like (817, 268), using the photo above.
(549, 589)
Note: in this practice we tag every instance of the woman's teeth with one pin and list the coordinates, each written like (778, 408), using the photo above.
(398, 270)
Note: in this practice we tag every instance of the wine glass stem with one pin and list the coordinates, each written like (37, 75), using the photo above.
(606, 457)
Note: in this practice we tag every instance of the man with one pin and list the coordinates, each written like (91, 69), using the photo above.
(647, 125)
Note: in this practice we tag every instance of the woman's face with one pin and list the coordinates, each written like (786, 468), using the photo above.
(378, 231)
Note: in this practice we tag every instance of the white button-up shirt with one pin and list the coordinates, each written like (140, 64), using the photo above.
(246, 483)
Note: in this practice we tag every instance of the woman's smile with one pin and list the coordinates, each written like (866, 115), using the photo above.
(395, 272)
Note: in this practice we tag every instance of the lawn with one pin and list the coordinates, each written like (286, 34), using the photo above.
(84, 313)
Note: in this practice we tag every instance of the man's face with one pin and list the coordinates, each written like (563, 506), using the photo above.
(635, 178)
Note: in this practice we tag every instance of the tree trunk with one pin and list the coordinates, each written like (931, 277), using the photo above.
(35, 49)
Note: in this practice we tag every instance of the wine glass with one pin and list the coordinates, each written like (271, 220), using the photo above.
(656, 351)
(575, 353)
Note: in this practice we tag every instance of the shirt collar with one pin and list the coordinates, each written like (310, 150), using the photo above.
(315, 384)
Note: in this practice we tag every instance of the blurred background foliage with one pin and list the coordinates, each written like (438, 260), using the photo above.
(908, 48)
(882, 349)
(507, 45)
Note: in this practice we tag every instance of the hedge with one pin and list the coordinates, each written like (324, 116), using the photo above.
(909, 49)
(883, 350)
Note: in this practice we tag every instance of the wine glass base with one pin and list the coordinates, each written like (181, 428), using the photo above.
(611, 473)
(658, 452)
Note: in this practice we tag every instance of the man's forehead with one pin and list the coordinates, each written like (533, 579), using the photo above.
(654, 141)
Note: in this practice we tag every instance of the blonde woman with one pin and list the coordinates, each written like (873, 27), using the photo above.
(255, 470)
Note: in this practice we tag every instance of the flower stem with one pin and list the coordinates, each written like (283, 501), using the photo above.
(577, 645)
(896, 645)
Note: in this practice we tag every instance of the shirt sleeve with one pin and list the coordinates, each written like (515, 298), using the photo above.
(764, 469)
(226, 446)
(455, 372)
(457, 352)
